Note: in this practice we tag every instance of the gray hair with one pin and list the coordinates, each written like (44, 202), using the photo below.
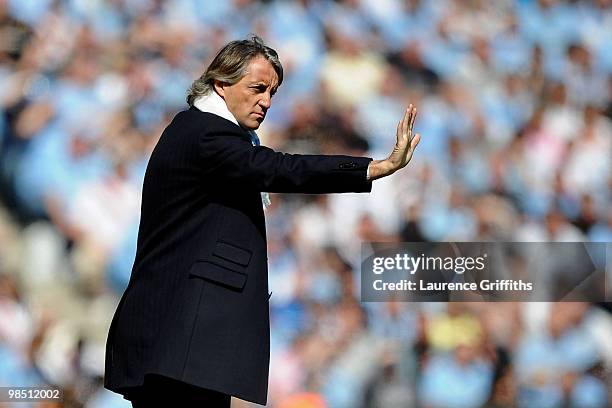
(230, 65)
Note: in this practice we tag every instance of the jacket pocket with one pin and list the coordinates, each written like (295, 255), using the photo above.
(227, 265)
(218, 274)
(231, 253)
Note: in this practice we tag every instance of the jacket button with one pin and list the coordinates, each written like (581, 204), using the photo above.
(348, 165)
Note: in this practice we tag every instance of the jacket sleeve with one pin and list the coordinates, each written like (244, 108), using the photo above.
(229, 159)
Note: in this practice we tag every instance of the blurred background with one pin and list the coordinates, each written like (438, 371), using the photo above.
(515, 111)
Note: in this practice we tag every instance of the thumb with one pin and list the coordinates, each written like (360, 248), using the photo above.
(415, 141)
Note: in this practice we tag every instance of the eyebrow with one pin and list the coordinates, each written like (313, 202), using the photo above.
(257, 83)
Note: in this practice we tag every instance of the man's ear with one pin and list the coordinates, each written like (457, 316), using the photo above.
(220, 88)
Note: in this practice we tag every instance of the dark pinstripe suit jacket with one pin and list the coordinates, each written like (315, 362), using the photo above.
(196, 307)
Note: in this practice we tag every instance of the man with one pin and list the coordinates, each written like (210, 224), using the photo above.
(192, 328)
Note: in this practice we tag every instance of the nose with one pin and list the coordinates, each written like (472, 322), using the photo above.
(266, 100)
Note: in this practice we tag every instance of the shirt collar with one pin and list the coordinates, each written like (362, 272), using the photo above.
(213, 103)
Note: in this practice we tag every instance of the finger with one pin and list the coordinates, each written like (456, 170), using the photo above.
(407, 118)
(412, 118)
(409, 128)
(415, 141)
(401, 137)
(411, 124)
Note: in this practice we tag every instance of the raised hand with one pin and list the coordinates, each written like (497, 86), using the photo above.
(405, 144)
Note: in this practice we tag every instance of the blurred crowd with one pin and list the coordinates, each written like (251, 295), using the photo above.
(515, 114)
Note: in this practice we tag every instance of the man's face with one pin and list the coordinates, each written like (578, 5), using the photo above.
(250, 98)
